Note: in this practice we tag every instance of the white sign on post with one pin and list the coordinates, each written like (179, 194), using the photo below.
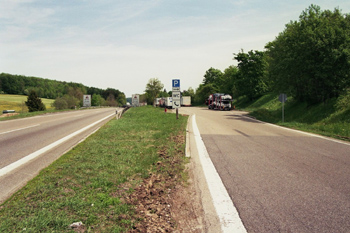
(176, 83)
(135, 101)
(87, 100)
(176, 99)
(176, 93)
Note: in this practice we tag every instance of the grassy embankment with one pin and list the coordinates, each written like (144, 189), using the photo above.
(322, 119)
(93, 182)
(17, 103)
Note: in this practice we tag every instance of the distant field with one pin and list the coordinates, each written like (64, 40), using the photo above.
(17, 103)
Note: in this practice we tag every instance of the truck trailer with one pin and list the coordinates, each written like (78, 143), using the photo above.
(219, 101)
(168, 102)
(186, 101)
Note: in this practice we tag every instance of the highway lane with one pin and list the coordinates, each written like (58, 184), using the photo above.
(279, 180)
(23, 137)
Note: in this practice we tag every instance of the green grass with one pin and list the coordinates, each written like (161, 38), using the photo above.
(322, 119)
(88, 183)
(17, 103)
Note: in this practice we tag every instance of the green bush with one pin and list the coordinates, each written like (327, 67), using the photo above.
(34, 103)
(343, 102)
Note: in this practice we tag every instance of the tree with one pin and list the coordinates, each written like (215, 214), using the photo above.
(97, 100)
(251, 79)
(212, 81)
(213, 76)
(229, 77)
(72, 101)
(143, 98)
(310, 59)
(121, 99)
(188, 92)
(153, 88)
(203, 92)
(18, 84)
(67, 102)
(163, 93)
(60, 103)
(111, 101)
(343, 102)
(34, 103)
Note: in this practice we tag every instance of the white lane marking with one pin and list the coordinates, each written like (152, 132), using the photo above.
(302, 132)
(188, 152)
(20, 162)
(226, 211)
(20, 129)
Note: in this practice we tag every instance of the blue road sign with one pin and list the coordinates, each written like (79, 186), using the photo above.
(282, 98)
(176, 82)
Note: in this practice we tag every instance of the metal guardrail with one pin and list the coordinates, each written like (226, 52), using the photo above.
(120, 112)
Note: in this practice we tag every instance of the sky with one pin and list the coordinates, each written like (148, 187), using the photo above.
(122, 44)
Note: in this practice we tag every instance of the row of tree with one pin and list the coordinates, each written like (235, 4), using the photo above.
(309, 60)
(67, 94)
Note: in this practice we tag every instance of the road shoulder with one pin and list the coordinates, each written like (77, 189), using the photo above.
(209, 213)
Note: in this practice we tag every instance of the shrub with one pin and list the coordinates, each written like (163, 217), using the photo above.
(343, 102)
(34, 103)
(60, 103)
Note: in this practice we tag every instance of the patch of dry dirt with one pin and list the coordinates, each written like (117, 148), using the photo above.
(164, 202)
(8, 114)
(187, 209)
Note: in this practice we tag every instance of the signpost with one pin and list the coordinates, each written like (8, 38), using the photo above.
(282, 98)
(176, 99)
(176, 85)
(176, 96)
(87, 101)
(135, 101)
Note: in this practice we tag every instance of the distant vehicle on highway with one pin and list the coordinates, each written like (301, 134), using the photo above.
(219, 101)
(127, 105)
(186, 101)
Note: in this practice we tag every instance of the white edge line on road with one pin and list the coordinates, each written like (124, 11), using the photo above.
(226, 211)
(188, 152)
(302, 132)
(19, 129)
(20, 162)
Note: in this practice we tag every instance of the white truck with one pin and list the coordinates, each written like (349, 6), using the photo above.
(219, 101)
(186, 101)
(168, 102)
(157, 102)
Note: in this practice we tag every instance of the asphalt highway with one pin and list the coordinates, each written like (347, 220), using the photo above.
(28, 145)
(279, 180)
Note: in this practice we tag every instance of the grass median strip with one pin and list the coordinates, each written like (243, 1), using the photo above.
(120, 179)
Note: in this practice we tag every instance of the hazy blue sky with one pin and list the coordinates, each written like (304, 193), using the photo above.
(122, 44)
